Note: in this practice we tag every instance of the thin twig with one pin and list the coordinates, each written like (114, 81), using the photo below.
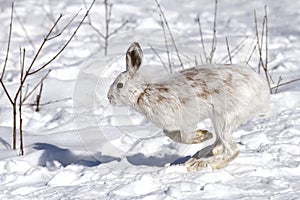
(22, 61)
(170, 33)
(95, 29)
(6, 92)
(50, 15)
(8, 41)
(47, 103)
(196, 62)
(35, 87)
(251, 54)
(90, 22)
(64, 46)
(166, 44)
(261, 62)
(278, 82)
(235, 50)
(267, 37)
(65, 27)
(265, 66)
(201, 37)
(41, 47)
(21, 153)
(107, 34)
(161, 60)
(117, 29)
(285, 83)
(262, 37)
(107, 21)
(38, 98)
(36, 56)
(228, 51)
(214, 40)
(18, 95)
(201, 59)
(24, 30)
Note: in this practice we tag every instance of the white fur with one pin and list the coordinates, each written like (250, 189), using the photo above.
(227, 94)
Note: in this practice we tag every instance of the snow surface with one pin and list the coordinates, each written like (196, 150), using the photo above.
(82, 148)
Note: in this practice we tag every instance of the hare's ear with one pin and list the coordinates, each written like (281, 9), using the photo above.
(134, 57)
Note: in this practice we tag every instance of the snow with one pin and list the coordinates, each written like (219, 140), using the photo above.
(83, 148)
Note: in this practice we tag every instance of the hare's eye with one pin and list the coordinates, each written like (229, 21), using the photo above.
(119, 85)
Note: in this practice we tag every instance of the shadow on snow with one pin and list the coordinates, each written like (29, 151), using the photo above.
(5, 144)
(53, 154)
(141, 159)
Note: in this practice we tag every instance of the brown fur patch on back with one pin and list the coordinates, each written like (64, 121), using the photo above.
(204, 94)
(193, 78)
(156, 92)
(140, 98)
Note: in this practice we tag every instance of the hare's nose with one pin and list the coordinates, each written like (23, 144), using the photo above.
(110, 97)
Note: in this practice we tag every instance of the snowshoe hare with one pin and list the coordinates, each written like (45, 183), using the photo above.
(226, 94)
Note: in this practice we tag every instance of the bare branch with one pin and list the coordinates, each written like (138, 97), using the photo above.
(24, 30)
(263, 31)
(22, 61)
(201, 59)
(214, 40)
(18, 95)
(106, 35)
(14, 105)
(110, 5)
(8, 41)
(107, 21)
(228, 51)
(201, 37)
(90, 22)
(166, 44)
(41, 47)
(267, 36)
(196, 62)
(49, 102)
(38, 98)
(27, 95)
(64, 46)
(161, 60)
(170, 33)
(265, 66)
(251, 54)
(50, 15)
(235, 50)
(95, 29)
(66, 26)
(261, 63)
(117, 29)
(285, 83)
(6, 92)
(278, 82)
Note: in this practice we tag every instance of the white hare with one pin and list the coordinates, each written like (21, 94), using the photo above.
(227, 94)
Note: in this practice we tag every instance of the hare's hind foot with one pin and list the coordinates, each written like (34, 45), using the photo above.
(215, 162)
